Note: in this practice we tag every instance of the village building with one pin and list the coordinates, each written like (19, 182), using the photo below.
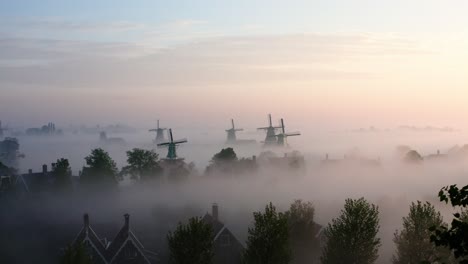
(124, 249)
(227, 249)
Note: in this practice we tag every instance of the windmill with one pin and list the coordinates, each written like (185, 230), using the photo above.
(159, 134)
(2, 129)
(231, 133)
(171, 153)
(270, 138)
(281, 138)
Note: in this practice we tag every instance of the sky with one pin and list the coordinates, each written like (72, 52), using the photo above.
(324, 64)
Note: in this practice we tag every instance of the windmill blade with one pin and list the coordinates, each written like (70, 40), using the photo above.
(239, 129)
(179, 141)
(164, 144)
(232, 121)
(262, 128)
(153, 130)
(158, 124)
(269, 119)
(291, 134)
(282, 126)
(170, 135)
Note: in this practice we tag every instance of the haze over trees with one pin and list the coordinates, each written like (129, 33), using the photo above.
(303, 231)
(75, 255)
(143, 164)
(268, 240)
(191, 243)
(413, 245)
(352, 237)
(101, 169)
(62, 174)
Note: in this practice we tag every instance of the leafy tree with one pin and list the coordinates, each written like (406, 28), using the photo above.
(75, 255)
(225, 155)
(62, 174)
(101, 169)
(413, 241)
(302, 232)
(455, 237)
(268, 240)
(352, 237)
(191, 243)
(143, 164)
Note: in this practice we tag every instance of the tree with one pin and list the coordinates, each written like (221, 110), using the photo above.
(352, 237)
(75, 255)
(143, 164)
(413, 243)
(62, 174)
(101, 169)
(455, 237)
(413, 157)
(303, 232)
(225, 155)
(191, 243)
(268, 240)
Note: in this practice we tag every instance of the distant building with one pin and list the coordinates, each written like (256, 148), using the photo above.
(48, 129)
(227, 249)
(124, 249)
(103, 139)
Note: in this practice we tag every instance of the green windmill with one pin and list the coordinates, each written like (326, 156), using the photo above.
(172, 145)
(270, 138)
(159, 134)
(231, 133)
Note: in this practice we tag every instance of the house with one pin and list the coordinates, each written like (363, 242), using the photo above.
(35, 182)
(124, 249)
(227, 249)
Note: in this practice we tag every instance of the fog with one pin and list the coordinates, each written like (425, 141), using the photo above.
(44, 225)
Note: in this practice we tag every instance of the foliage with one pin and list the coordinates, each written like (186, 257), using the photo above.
(143, 164)
(352, 237)
(101, 169)
(455, 237)
(413, 241)
(268, 240)
(75, 255)
(225, 155)
(191, 243)
(5, 170)
(302, 232)
(62, 174)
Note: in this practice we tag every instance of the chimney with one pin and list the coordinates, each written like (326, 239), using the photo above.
(214, 211)
(438, 152)
(326, 156)
(30, 171)
(254, 158)
(86, 220)
(127, 221)
(44, 168)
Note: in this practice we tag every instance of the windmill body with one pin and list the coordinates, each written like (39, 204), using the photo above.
(281, 138)
(172, 146)
(159, 134)
(231, 133)
(270, 138)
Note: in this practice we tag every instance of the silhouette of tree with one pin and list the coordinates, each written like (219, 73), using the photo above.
(303, 232)
(61, 172)
(268, 240)
(225, 155)
(413, 243)
(75, 255)
(191, 243)
(101, 169)
(413, 157)
(352, 237)
(454, 237)
(143, 164)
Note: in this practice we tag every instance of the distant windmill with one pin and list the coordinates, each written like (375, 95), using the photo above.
(2, 129)
(270, 138)
(171, 153)
(281, 138)
(159, 134)
(231, 133)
